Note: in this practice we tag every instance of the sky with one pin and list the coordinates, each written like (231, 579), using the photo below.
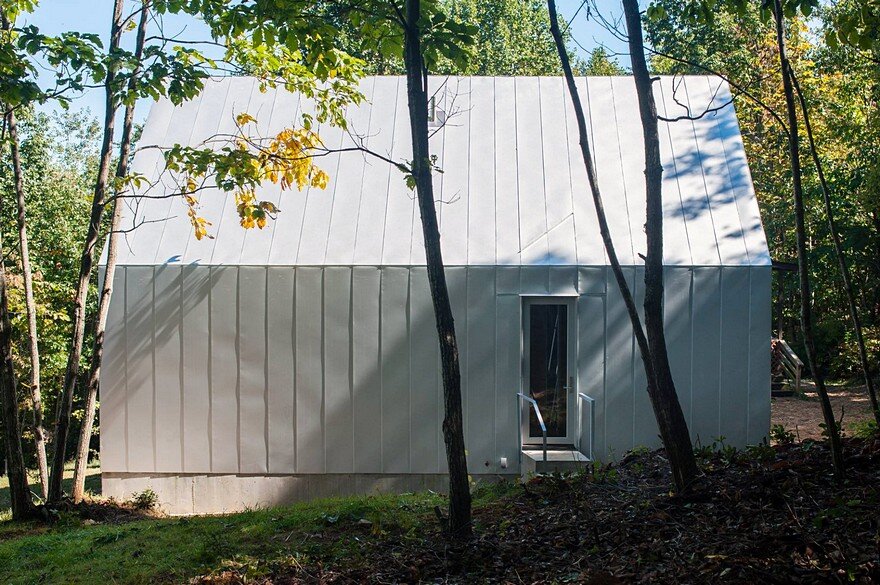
(93, 16)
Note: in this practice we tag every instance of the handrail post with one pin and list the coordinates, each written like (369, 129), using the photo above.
(537, 410)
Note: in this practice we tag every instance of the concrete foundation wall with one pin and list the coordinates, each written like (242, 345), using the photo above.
(220, 494)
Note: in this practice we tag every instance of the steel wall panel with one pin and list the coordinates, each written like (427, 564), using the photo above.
(482, 176)
(734, 354)
(281, 358)
(366, 369)
(677, 315)
(645, 431)
(591, 362)
(532, 196)
(196, 336)
(478, 368)
(425, 385)
(508, 336)
(617, 410)
(140, 390)
(112, 392)
(252, 411)
(338, 422)
(167, 368)
(310, 456)
(705, 355)
(507, 227)
(224, 369)
(394, 330)
(759, 353)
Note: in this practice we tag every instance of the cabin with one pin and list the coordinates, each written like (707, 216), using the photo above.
(265, 366)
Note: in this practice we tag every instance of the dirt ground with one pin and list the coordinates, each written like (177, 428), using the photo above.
(802, 415)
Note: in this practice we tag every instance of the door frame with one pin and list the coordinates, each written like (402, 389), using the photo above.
(570, 302)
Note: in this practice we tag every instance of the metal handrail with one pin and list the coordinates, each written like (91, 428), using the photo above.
(592, 403)
(540, 418)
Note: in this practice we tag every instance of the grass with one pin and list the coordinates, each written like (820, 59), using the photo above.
(93, 485)
(172, 550)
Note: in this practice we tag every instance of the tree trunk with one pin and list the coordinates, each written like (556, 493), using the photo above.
(85, 435)
(683, 477)
(19, 492)
(71, 373)
(453, 433)
(841, 257)
(30, 305)
(801, 233)
(667, 409)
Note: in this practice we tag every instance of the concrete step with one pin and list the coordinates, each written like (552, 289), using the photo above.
(558, 460)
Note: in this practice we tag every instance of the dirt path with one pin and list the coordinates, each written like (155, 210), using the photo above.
(802, 415)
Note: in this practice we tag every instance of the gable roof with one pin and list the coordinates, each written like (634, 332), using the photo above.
(513, 190)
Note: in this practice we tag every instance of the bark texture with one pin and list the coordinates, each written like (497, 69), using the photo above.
(19, 492)
(85, 435)
(683, 476)
(667, 409)
(453, 429)
(87, 259)
(30, 306)
(801, 232)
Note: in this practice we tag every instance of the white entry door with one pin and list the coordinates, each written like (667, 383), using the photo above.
(549, 369)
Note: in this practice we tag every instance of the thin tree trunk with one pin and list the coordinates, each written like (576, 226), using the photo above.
(30, 306)
(801, 232)
(682, 477)
(453, 433)
(71, 373)
(85, 435)
(667, 409)
(19, 491)
(841, 256)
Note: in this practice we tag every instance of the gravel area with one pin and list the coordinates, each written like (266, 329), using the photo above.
(802, 415)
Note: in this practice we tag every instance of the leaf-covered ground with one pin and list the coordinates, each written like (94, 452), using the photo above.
(769, 515)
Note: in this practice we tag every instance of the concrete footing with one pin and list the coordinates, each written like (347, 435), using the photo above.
(181, 494)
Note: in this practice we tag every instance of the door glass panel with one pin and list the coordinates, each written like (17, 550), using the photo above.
(548, 367)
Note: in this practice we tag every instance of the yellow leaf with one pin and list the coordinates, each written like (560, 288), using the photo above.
(244, 118)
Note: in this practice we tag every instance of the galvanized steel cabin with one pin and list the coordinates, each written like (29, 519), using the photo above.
(300, 360)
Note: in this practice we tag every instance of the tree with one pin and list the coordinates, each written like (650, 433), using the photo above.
(831, 427)
(661, 390)
(667, 409)
(62, 421)
(419, 33)
(422, 167)
(845, 273)
(787, 31)
(601, 63)
(116, 207)
(511, 37)
(30, 305)
(20, 497)
(179, 74)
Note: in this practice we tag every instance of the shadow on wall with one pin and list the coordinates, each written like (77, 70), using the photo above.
(372, 392)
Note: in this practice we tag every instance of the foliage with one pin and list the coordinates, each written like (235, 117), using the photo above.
(546, 530)
(507, 37)
(145, 500)
(601, 63)
(59, 154)
(842, 86)
(780, 435)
